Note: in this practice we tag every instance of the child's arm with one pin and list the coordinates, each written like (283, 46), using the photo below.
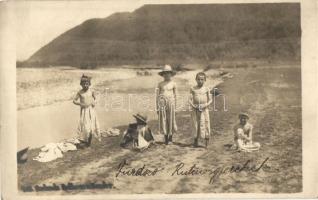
(210, 100)
(175, 94)
(241, 135)
(157, 97)
(75, 100)
(250, 136)
(191, 100)
(94, 97)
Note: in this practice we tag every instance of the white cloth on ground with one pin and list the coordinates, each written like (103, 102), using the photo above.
(52, 151)
(72, 141)
(110, 132)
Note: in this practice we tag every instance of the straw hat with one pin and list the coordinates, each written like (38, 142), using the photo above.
(165, 69)
(141, 117)
(244, 115)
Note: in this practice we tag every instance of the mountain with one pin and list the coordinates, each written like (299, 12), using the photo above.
(180, 33)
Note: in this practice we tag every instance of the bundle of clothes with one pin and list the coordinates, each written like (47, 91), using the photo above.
(52, 151)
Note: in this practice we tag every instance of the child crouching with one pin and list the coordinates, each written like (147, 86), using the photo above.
(138, 134)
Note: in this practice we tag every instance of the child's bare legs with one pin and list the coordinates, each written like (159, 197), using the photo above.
(196, 139)
(89, 140)
(196, 143)
(206, 142)
(170, 138)
(170, 130)
(166, 139)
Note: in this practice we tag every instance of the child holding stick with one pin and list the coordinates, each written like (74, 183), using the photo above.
(200, 99)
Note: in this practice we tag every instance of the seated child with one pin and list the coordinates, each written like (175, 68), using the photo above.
(243, 135)
(138, 134)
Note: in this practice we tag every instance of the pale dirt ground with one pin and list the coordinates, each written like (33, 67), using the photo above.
(271, 96)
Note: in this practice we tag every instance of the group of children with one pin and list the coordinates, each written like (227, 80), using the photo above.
(140, 135)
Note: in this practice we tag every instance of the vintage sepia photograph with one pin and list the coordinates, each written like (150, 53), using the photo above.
(158, 98)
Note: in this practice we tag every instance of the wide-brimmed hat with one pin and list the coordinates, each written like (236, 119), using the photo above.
(141, 117)
(167, 68)
(243, 115)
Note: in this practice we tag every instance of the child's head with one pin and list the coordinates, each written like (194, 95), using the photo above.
(167, 76)
(167, 72)
(243, 118)
(200, 78)
(85, 82)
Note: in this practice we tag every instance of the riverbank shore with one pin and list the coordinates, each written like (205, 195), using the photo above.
(272, 97)
(120, 93)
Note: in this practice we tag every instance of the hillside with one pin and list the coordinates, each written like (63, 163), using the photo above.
(180, 33)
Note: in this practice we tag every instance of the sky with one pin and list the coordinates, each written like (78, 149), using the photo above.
(39, 22)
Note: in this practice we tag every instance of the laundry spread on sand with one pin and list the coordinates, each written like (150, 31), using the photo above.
(72, 141)
(110, 132)
(52, 151)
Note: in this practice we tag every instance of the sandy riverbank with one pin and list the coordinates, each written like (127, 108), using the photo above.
(275, 112)
(120, 93)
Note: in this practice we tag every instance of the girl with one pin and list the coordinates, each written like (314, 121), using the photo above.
(88, 124)
(166, 103)
(200, 99)
(243, 133)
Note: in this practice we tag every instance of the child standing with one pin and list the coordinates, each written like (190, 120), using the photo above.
(200, 99)
(166, 103)
(88, 124)
(243, 132)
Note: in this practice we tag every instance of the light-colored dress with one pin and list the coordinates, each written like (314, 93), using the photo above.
(200, 117)
(167, 107)
(142, 134)
(88, 123)
(241, 133)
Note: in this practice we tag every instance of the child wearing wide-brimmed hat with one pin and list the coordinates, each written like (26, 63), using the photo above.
(243, 135)
(139, 134)
(88, 124)
(166, 103)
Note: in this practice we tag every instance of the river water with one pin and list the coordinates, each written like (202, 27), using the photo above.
(40, 125)
(55, 122)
